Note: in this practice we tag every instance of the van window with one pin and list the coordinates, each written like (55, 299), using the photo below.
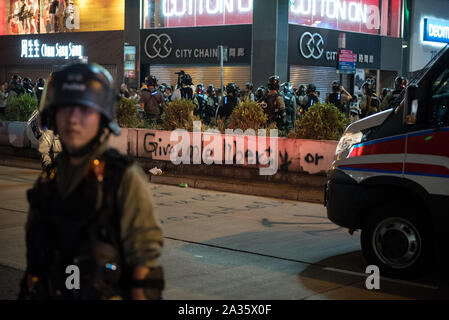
(440, 98)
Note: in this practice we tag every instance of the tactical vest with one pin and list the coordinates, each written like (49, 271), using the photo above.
(82, 230)
(229, 104)
(335, 99)
(272, 109)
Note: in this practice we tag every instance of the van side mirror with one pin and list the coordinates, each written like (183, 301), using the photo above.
(411, 104)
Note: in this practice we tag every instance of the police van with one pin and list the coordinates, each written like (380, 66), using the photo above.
(390, 177)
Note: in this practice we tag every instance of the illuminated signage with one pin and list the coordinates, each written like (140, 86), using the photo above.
(35, 49)
(320, 11)
(190, 7)
(436, 30)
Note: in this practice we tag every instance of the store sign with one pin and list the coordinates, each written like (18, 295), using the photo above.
(192, 13)
(196, 45)
(349, 15)
(130, 62)
(35, 49)
(436, 30)
(319, 47)
(203, 7)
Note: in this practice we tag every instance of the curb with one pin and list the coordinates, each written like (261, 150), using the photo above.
(282, 191)
(239, 186)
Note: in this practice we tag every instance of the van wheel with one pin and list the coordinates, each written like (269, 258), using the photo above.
(397, 242)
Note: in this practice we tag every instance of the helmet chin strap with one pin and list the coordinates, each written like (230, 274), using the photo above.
(89, 146)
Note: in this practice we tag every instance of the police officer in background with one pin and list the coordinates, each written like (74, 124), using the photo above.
(229, 101)
(199, 99)
(93, 209)
(396, 95)
(186, 87)
(212, 103)
(275, 103)
(248, 93)
(152, 99)
(312, 96)
(15, 88)
(369, 103)
(40, 84)
(290, 104)
(339, 96)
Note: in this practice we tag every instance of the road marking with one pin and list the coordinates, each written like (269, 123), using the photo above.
(383, 278)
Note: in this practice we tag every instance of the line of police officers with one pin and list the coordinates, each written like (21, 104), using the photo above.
(281, 102)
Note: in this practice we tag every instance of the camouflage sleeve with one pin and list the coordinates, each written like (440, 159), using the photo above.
(386, 102)
(140, 228)
(282, 109)
(44, 147)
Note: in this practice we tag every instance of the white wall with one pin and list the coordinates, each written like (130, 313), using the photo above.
(421, 52)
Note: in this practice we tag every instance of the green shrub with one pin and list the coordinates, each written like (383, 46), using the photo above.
(21, 108)
(320, 122)
(126, 114)
(179, 115)
(248, 115)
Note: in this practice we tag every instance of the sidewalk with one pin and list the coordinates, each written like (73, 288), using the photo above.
(224, 184)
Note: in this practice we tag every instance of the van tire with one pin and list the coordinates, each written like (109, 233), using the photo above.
(396, 240)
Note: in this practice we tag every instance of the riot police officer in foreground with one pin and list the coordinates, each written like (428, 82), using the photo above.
(275, 103)
(396, 95)
(92, 213)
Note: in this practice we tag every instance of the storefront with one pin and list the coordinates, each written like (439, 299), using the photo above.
(36, 56)
(368, 29)
(195, 51)
(39, 36)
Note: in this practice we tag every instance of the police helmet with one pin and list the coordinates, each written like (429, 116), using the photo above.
(260, 92)
(249, 86)
(310, 88)
(40, 84)
(210, 89)
(371, 82)
(273, 83)
(199, 88)
(335, 86)
(151, 81)
(187, 79)
(80, 84)
(16, 80)
(400, 83)
(231, 88)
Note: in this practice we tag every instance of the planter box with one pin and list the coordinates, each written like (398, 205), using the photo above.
(293, 155)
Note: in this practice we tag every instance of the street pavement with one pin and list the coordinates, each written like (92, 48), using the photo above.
(229, 246)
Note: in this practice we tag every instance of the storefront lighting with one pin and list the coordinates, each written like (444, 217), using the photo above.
(353, 11)
(182, 7)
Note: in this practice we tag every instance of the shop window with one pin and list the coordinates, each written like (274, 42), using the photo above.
(53, 16)
(193, 13)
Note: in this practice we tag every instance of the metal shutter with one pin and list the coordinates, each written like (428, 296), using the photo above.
(321, 77)
(203, 74)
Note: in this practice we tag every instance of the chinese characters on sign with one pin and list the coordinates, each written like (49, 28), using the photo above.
(34, 49)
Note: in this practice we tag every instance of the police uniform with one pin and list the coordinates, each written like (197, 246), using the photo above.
(49, 147)
(97, 215)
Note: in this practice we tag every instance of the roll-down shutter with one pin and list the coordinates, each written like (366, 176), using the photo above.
(321, 77)
(202, 74)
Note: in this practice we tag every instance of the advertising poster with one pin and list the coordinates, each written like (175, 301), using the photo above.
(54, 16)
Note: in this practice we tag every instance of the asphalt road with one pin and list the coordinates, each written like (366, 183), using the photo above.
(228, 246)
